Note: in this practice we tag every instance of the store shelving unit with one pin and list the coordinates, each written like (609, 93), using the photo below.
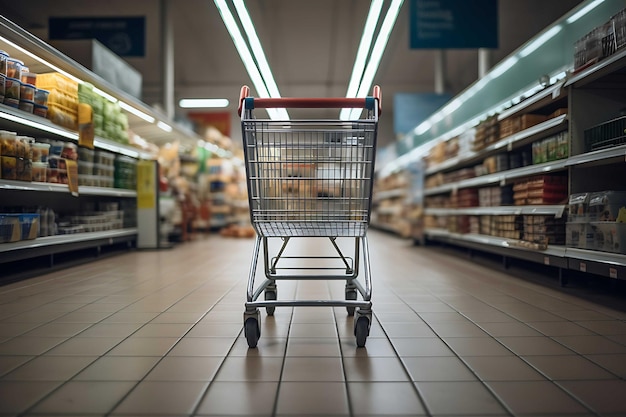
(593, 95)
(28, 257)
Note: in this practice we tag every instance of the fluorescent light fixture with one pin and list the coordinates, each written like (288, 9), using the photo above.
(364, 47)
(543, 38)
(452, 106)
(377, 52)
(137, 112)
(41, 126)
(198, 103)
(247, 59)
(41, 60)
(584, 11)
(503, 67)
(257, 49)
(164, 126)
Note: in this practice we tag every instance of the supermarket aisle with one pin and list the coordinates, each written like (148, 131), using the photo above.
(159, 333)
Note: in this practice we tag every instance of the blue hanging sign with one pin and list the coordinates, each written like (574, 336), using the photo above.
(126, 36)
(453, 24)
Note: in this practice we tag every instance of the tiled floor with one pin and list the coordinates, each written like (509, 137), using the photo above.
(160, 334)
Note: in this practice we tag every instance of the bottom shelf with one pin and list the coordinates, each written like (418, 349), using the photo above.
(606, 264)
(28, 258)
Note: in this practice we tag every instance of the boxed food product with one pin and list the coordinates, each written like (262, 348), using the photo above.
(606, 205)
(9, 228)
(86, 154)
(610, 236)
(578, 208)
(579, 235)
(29, 225)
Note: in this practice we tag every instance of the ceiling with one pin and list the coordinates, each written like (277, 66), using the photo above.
(310, 46)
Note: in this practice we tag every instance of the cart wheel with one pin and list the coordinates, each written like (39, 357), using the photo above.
(361, 330)
(270, 296)
(251, 330)
(351, 295)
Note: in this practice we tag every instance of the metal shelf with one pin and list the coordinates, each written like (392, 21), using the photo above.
(396, 192)
(63, 188)
(556, 88)
(604, 155)
(547, 210)
(26, 249)
(552, 256)
(599, 70)
(499, 177)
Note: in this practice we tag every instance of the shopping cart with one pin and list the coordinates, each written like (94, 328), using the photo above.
(309, 178)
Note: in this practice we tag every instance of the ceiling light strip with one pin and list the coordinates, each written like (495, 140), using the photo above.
(377, 53)
(244, 53)
(362, 53)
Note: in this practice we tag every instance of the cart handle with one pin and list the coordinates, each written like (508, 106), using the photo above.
(310, 103)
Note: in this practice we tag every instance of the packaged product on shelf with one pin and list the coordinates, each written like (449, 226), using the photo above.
(579, 235)
(41, 111)
(562, 145)
(104, 157)
(39, 170)
(530, 120)
(12, 92)
(14, 67)
(27, 106)
(605, 206)
(10, 230)
(540, 152)
(40, 151)
(8, 143)
(86, 154)
(24, 168)
(606, 134)
(27, 92)
(41, 97)
(28, 78)
(578, 208)
(609, 236)
(70, 151)
(3, 80)
(3, 62)
(9, 167)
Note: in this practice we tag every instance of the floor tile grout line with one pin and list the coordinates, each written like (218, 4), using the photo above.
(486, 383)
(487, 387)
(117, 344)
(343, 364)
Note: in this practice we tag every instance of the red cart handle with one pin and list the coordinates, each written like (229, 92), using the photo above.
(311, 103)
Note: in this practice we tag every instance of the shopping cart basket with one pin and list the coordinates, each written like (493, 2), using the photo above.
(309, 178)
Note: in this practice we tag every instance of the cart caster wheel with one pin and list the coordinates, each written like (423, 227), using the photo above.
(270, 296)
(351, 295)
(361, 330)
(252, 332)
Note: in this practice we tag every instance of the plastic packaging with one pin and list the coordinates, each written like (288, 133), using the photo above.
(27, 106)
(27, 91)
(3, 62)
(40, 110)
(41, 97)
(12, 89)
(40, 151)
(3, 80)
(14, 68)
(39, 171)
(8, 143)
(28, 78)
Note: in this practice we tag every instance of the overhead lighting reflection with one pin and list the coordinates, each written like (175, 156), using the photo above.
(584, 11)
(196, 103)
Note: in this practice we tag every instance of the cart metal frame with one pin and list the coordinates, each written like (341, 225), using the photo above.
(314, 179)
